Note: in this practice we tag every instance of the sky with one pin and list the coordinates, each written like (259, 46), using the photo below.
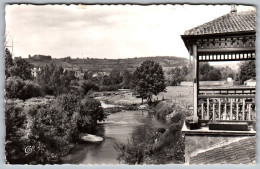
(105, 31)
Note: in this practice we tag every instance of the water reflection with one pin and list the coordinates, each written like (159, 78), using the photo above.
(119, 127)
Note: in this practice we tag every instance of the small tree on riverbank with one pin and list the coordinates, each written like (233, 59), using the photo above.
(149, 79)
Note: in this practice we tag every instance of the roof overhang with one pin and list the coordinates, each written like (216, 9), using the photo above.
(187, 39)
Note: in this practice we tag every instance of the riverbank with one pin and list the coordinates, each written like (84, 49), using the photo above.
(163, 146)
(156, 135)
(118, 127)
(113, 102)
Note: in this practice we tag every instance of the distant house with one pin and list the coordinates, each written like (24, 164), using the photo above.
(79, 73)
(70, 69)
(98, 74)
(229, 79)
(250, 82)
(35, 71)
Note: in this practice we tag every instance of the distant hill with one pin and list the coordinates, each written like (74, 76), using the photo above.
(105, 65)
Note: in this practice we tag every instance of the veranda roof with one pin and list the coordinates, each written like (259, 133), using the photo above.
(231, 22)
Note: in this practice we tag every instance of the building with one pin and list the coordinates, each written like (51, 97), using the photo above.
(79, 73)
(222, 116)
(250, 82)
(35, 71)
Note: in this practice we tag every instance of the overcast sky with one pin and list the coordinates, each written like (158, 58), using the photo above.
(116, 31)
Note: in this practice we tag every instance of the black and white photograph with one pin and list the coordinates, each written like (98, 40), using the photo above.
(130, 84)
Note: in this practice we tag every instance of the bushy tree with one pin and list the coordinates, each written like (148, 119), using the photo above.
(176, 77)
(214, 75)
(8, 62)
(90, 111)
(228, 72)
(247, 71)
(106, 81)
(160, 147)
(149, 79)
(115, 76)
(15, 122)
(178, 74)
(87, 75)
(209, 73)
(17, 67)
(50, 130)
(15, 87)
(54, 80)
(21, 68)
(87, 86)
(127, 79)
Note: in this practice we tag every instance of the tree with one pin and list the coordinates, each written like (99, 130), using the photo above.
(87, 86)
(115, 76)
(228, 72)
(127, 82)
(177, 76)
(17, 88)
(15, 122)
(8, 62)
(106, 81)
(88, 75)
(90, 111)
(54, 80)
(21, 68)
(52, 129)
(214, 75)
(247, 71)
(149, 79)
(209, 73)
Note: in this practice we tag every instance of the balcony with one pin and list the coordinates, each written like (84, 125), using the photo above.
(226, 106)
(234, 104)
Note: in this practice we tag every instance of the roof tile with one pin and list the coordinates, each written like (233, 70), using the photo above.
(231, 22)
(239, 152)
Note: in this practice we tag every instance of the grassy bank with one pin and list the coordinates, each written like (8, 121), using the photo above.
(161, 147)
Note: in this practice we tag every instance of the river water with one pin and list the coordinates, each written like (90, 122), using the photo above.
(118, 127)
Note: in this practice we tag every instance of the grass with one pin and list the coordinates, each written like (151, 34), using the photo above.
(182, 95)
(119, 98)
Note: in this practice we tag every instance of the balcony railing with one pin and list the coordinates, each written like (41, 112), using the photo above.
(227, 91)
(234, 104)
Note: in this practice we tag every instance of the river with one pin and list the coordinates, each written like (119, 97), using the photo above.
(118, 127)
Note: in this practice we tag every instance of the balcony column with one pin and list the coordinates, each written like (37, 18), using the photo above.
(195, 80)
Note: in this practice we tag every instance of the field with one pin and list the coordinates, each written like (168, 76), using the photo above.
(182, 95)
(107, 65)
(119, 98)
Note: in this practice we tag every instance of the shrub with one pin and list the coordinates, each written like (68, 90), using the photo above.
(163, 108)
(131, 153)
(49, 131)
(15, 122)
(17, 88)
(50, 126)
(160, 147)
(87, 86)
(90, 111)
